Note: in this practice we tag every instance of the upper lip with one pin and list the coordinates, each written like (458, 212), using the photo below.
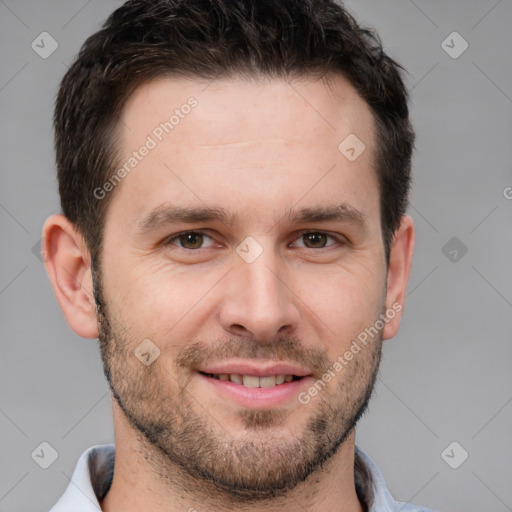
(257, 369)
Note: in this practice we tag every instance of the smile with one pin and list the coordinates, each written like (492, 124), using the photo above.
(253, 381)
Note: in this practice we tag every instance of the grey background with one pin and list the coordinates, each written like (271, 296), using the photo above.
(446, 376)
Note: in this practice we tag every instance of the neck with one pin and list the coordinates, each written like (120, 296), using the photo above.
(144, 480)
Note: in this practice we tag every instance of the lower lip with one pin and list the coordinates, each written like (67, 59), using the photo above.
(258, 398)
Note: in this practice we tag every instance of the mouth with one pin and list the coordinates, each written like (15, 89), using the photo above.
(255, 385)
(254, 381)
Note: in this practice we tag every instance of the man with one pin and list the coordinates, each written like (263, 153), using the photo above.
(233, 179)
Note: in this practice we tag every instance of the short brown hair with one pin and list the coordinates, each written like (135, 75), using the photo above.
(209, 39)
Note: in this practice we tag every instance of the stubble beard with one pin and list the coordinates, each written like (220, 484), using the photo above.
(186, 445)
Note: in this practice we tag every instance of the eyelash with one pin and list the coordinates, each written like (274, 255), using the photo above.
(169, 241)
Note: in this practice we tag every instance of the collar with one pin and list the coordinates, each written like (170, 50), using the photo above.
(94, 472)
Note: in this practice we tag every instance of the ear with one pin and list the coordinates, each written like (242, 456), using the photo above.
(400, 262)
(68, 263)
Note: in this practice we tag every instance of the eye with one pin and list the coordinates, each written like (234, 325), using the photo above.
(188, 240)
(317, 239)
(194, 240)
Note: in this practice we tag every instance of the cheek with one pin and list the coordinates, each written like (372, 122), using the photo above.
(343, 303)
(160, 303)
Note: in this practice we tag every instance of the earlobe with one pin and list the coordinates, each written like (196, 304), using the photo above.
(67, 262)
(399, 269)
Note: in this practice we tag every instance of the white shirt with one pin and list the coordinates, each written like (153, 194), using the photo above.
(93, 474)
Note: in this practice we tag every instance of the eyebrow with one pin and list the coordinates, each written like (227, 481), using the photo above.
(341, 212)
(168, 214)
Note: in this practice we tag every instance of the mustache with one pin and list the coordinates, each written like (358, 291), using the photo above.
(289, 349)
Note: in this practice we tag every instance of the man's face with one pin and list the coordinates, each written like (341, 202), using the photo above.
(214, 300)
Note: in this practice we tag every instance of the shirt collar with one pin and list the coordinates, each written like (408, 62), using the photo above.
(93, 475)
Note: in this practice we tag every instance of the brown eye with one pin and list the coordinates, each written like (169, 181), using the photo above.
(316, 240)
(188, 240)
(319, 240)
(191, 240)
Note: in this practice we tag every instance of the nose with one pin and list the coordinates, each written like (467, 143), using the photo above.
(259, 301)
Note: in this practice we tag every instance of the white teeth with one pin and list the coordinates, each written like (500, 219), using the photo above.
(237, 379)
(252, 381)
(267, 382)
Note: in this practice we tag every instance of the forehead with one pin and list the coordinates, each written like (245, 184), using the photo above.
(234, 139)
(261, 107)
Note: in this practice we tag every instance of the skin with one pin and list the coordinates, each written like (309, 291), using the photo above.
(257, 149)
